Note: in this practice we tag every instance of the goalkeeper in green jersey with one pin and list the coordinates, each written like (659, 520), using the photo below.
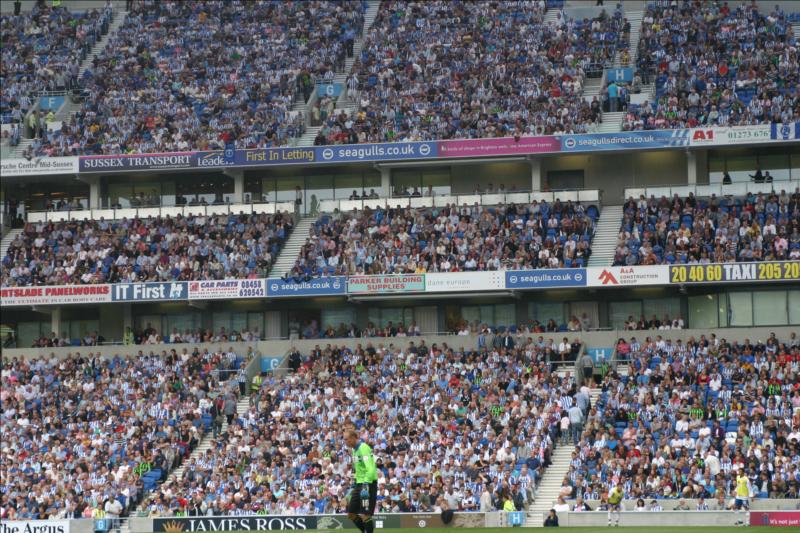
(364, 494)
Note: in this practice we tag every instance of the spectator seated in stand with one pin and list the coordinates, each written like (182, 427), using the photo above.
(717, 66)
(450, 70)
(129, 250)
(449, 239)
(42, 51)
(79, 431)
(757, 227)
(690, 415)
(486, 436)
(180, 76)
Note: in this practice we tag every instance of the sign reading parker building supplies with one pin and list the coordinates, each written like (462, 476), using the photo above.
(141, 292)
(735, 272)
(228, 288)
(386, 284)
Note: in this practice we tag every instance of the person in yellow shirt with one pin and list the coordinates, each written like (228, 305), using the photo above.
(615, 504)
(742, 500)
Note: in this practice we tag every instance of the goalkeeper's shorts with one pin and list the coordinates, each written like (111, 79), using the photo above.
(355, 505)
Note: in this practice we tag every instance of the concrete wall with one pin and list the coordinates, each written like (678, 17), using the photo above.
(767, 504)
(645, 519)
(599, 339)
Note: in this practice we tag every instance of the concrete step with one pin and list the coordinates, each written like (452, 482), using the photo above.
(291, 250)
(119, 19)
(7, 240)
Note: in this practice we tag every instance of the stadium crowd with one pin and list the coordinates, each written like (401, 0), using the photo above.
(757, 227)
(441, 70)
(82, 439)
(687, 417)
(181, 76)
(42, 51)
(451, 429)
(159, 249)
(717, 65)
(449, 239)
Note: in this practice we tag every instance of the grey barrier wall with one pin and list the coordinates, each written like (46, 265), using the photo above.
(647, 518)
(757, 504)
(281, 347)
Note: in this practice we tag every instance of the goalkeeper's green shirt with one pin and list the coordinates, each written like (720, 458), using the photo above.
(364, 464)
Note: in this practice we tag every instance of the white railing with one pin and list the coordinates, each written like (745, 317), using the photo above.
(152, 212)
(589, 196)
(705, 191)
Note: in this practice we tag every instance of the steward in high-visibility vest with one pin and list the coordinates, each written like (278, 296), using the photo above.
(258, 379)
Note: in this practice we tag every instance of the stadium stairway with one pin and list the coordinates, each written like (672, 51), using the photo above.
(549, 487)
(18, 150)
(8, 238)
(69, 108)
(635, 18)
(307, 139)
(604, 243)
(291, 250)
(99, 46)
(242, 407)
(551, 15)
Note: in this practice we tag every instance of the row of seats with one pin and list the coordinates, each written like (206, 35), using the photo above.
(484, 439)
(42, 51)
(91, 434)
(181, 76)
(688, 417)
(757, 227)
(717, 65)
(426, 70)
(450, 239)
(131, 250)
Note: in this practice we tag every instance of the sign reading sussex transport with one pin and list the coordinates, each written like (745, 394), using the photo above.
(116, 163)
